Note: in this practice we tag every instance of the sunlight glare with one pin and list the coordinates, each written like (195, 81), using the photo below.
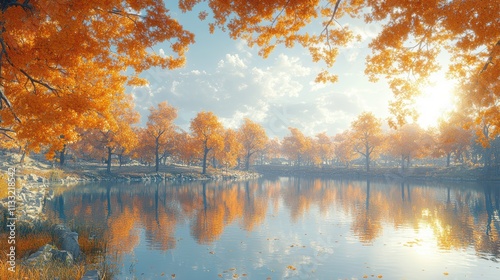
(436, 100)
(427, 241)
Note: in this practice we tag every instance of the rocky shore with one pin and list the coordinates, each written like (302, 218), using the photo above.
(35, 184)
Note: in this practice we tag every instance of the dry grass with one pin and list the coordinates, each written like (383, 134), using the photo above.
(48, 272)
(27, 244)
(30, 239)
(3, 185)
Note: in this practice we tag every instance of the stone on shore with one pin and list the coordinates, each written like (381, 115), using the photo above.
(68, 241)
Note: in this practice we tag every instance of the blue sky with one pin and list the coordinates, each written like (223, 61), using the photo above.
(230, 79)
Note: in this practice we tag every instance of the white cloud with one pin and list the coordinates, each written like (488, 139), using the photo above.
(278, 93)
(162, 53)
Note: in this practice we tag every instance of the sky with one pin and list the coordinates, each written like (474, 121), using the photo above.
(230, 79)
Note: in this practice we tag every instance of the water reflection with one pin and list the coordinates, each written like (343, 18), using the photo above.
(452, 216)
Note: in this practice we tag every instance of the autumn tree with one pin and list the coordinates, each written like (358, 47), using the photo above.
(53, 65)
(184, 147)
(160, 129)
(406, 143)
(453, 138)
(62, 63)
(208, 133)
(253, 138)
(273, 149)
(344, 148)
(228, 155)
(296, 145)
(325, 147)
(367, 135)
(120, 137)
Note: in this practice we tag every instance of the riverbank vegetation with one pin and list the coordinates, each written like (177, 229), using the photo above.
(31, 237)
(161, 147)
(77, 107)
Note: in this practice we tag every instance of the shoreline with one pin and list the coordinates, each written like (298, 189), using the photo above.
(427, 174)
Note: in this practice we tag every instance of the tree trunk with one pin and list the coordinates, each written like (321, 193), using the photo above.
(402, 163)
(108, 166)
(448, 157)
(61, 156)
(157, 155)
(23, 155)
(205, 153)
(120, 159)
(367, 157)
(247, 163)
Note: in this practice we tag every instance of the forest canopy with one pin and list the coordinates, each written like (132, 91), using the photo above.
(62, 63)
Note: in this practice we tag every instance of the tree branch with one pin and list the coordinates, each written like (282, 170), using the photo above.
(490, 58)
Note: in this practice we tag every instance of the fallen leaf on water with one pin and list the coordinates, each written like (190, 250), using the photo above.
(212, 252)
(291, 267)
(446, 273)
(268, 278)
(163, 273)
(232, 269)
(244, 274)
(235, 275)
(365, 276)
(380, 276)
(220, 275)
(173, 276)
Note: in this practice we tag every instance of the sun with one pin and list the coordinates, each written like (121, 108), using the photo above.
(436, 100)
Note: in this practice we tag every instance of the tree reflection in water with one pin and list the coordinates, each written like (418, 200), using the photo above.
(460, 216)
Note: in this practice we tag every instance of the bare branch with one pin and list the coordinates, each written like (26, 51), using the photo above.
(279, 14)
(34, 82)
(332, 18)
(490, 58)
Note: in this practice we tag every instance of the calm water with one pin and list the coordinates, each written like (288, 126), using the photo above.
(293, 228)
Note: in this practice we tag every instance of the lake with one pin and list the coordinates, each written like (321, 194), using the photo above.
(297, 228)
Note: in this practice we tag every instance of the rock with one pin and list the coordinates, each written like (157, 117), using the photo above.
(41, 257)
(62, 256)
(50, 195)
(49, 253)
(68, 241)
(33, 177)
(91, 275)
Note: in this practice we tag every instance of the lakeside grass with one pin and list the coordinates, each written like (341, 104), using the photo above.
(29, 238)
(3, 185)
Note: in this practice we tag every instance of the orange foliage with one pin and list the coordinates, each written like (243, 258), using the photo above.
(253, 138)
(208, 133)
(160, 131)
(117, 137)
(344, 147)
(60, 72)
(407, 142)
(324, 147)
(296, 146)
(228, 156)
(63, 63)
(453, 138)
(367, 135)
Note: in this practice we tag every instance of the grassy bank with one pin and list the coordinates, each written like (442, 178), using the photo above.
(29, 238)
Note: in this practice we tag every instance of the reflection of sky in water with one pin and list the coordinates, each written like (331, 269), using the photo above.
(309, 230)
(309, 245)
